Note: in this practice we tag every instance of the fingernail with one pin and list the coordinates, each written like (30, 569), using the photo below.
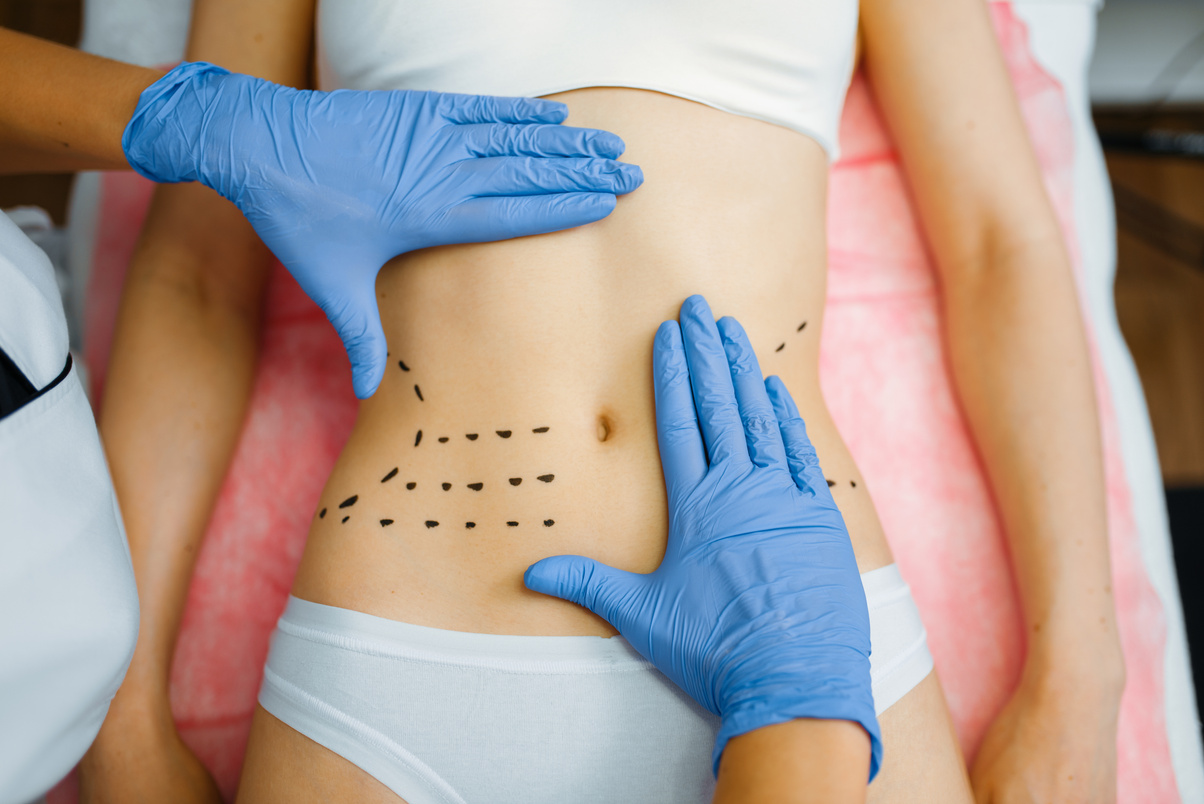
(633, 176)
(608, 144)
(553, 111)
(696, 306)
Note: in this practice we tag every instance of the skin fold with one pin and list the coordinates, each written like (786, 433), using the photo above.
(556, 331)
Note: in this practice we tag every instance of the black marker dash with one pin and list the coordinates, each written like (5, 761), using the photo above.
(385, 522)
(418, 438)
(442, 439)
(476, 486)
(801, 327)
(503, 433)
(853, 483)
(418, 391)
(512, 524)
(322, 514)
(446, 486)
(546, 478)
(411, 485)
(471, 436)
(540, 430)
(350, 501)
(547, 523)
(345, 519)
(403, 365)
(514, 481)
(470, 525)
(430, 523)
(780, 348)
(831, 483)
(389, 476)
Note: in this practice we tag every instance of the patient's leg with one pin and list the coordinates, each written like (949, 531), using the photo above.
(286, 767)
(922, 760)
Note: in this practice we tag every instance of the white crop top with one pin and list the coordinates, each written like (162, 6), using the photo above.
(782, 61)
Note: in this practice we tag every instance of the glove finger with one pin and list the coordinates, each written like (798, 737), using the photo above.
(357, 320)
(761, 428)
(683, 454)
(531, 175)
(608, 592)
(481, 220)
(488, 139)
(711, 379)
(495, 109)
(800, 455)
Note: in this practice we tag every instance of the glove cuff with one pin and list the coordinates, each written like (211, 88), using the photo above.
(785, 705)
(157, 142)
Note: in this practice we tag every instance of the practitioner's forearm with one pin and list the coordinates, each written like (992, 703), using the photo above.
(178, 386)
(1023, 371)
(796, 762)
(62, 109)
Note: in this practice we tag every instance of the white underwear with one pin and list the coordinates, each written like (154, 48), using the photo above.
(449, 717)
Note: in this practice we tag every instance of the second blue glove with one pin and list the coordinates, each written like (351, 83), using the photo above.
(757, 610)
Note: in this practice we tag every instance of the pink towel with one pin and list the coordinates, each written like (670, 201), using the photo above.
(885, 377)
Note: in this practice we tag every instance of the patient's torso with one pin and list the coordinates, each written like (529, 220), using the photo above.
(516, 417)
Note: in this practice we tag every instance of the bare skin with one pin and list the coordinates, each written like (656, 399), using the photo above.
(61, 109)
(555, 331)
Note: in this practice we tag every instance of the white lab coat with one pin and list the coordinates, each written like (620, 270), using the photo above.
(68, 605)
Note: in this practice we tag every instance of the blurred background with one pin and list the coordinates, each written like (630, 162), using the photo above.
(1146, 86)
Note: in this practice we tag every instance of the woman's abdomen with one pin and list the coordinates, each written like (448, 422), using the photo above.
(516, 417)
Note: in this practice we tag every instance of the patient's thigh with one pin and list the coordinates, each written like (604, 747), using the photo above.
(282, 765)
(922, 761)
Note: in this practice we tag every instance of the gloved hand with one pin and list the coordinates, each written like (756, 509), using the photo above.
(757, 610)
(338, 183)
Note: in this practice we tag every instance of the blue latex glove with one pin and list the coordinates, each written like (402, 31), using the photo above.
(338, 183)
(757, 610)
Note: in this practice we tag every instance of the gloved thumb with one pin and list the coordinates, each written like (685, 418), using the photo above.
(608, 592)
(356, 318)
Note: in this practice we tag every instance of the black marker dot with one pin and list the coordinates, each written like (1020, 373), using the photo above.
(350, 501)
(512, 524)
(503, 433)
(476, 486)
(385, 522)
(540, 430)
(389, 476)
(446, 486)
(470, 525)
(442, 439)
(546, 478)
(547, 523)
(411, 485)
(322, 514)
(780, 348)
(403, 365)
(345, 519)
(514, 481)
(430, 523)
(418, 438)
(471, 436)
(801, 327)
(418, 391)
(831, 483)
(853, 483)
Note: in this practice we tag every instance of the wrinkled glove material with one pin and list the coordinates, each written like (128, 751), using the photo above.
(338, 183)
(757, 610)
